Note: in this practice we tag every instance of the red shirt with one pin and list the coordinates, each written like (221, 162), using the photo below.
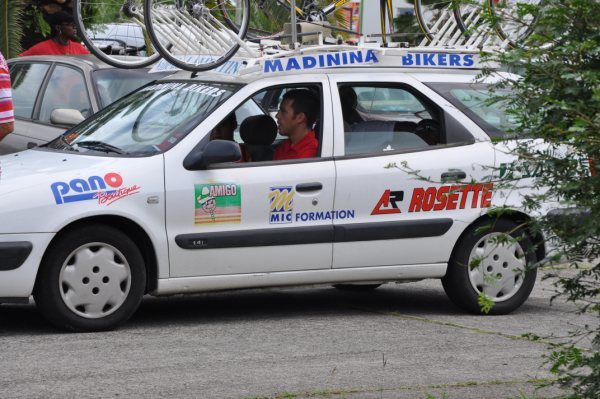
(50, 47)
(305, 148)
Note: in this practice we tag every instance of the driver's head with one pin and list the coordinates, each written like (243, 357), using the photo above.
(225, 129)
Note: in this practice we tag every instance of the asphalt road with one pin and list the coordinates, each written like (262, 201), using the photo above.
(399, 341)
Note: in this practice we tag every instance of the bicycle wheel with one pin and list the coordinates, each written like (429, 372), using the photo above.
(433, 15)
(515, 20)
(192, 34)
(266, 20)
(114, 31)
(469, 17)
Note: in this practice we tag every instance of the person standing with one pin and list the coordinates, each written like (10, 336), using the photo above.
(62, 41)
(6, 106)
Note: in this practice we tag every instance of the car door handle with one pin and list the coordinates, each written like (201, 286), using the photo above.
(314, 186)
(453, 175)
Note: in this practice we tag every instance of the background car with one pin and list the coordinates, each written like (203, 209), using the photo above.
(53, 93)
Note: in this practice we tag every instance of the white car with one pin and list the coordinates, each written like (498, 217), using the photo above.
(137, 199)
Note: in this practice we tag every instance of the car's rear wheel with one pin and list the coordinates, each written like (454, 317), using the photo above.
(356, 287)
(494, 258)
(91, 279)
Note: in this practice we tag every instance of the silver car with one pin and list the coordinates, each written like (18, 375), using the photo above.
(53, 93)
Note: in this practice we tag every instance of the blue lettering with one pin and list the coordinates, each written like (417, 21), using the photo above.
(79, 185)
(371, 56)
(454, 60)
(407, 59)
(97, 183)
(59, 189)
(442, 59)
(468, 60)
(356, 57)
(351, 214)
(273, 66)
(293, 64)
(428, 59)
(309, 62)
(333, 59)
(345, 58)
(321, 60)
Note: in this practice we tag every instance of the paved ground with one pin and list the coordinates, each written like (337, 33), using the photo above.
(400, 341)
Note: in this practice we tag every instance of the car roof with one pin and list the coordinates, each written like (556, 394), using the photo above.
(84, 61)
(390, 61)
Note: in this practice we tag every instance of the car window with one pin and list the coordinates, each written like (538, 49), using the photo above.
(66, 90)
(26, 80)
(150, 120)
(474, 100)
(114, 83)
(256, 124)
(381, 118)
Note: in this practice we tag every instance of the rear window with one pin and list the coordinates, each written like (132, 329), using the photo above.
(475, 101)
(113, 84)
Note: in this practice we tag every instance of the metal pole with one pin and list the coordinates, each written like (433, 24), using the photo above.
(294, 30)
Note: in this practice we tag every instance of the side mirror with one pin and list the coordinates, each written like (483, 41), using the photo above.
(66, 116)
(216, 151)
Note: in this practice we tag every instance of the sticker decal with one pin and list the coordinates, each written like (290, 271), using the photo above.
(106, 189)
(425, 199)
(217, 203)
(436, 199)
(388, 203)
(281, 204)
(281, 209)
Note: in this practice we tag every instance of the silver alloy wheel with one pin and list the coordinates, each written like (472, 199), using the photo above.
(500, 269)
(95, 280)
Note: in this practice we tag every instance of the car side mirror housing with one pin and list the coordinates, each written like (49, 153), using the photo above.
(216, 151)
(66, 116)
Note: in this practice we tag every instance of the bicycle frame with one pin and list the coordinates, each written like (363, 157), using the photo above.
(385, 7)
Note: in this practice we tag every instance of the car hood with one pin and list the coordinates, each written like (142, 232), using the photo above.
(40, 190)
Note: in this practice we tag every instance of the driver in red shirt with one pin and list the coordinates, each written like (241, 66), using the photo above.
(296, 117)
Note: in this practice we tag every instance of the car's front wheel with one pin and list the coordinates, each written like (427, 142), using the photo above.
(495, 258)
(91, 279)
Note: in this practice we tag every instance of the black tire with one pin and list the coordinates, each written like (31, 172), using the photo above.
(420, 12)
(47, 292)
(501, 32)
(457, 282)
(356, 287)
(118, 61)
(165, 48)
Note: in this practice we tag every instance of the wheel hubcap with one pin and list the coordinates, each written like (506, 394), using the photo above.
(95, 280)
(500, 266)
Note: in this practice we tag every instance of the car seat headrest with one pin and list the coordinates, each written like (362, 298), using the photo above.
(258, 130)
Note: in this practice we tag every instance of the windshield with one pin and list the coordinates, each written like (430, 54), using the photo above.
(474, 100)
(113, 84)
(151, 120)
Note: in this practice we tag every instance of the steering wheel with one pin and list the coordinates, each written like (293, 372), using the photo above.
(429, 131)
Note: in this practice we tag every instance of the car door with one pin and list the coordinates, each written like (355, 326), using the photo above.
(65, 89)
(27, 79)
(412, 166)
(252, 217)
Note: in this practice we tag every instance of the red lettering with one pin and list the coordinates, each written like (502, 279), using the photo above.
(465, 193)
(476, 188)
(416, 200)
(486, 196)
(442, 198)
(453, 197)
(429, 199)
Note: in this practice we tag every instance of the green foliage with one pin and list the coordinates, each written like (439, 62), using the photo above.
(485, 303)
(11, 27)
(36, 21)
(557, 99)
